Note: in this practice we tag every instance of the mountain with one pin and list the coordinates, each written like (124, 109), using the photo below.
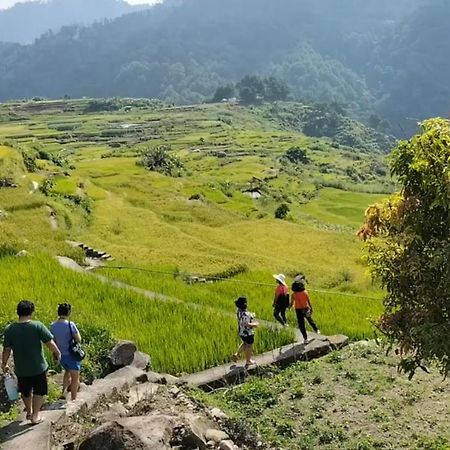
(377, 57)
(19, 23)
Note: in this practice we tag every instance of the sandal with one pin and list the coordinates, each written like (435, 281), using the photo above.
(37, 421)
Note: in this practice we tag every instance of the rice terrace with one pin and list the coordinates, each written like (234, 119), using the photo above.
(185, 202)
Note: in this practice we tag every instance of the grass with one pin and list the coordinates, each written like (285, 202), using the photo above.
(179, 338)
(147, 220)
(352, 400)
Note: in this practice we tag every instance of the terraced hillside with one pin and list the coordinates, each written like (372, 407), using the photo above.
(206, 210)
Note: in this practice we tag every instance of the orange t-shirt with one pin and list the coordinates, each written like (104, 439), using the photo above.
(301, 300)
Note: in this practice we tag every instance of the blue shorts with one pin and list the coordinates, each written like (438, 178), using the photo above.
(69, 363)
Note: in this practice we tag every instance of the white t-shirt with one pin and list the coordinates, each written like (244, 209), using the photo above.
(244, 318)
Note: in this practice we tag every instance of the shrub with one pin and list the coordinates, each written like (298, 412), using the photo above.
(8, 249)
(282, 211)
(297, 155)
(160, 160)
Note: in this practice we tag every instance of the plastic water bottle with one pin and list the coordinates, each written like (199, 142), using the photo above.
(11, 387)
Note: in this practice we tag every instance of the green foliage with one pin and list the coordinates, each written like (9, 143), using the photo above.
(97, 343)
(159, 159)
(297, 155)
(409, 243)
(224, 92)
(102, 105)
(8, 249)
(282, 211)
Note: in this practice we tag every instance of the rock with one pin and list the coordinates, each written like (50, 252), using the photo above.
(174, 391)
(122, 354)
(338, 341)
(3, 214)
(316, 349)
(133, 433)
(113, 412)
(170, 379)
(22, 254)
(218, 414)
(191, 434)
(141, 361)
(141, 392)
(227, 444)
(154, 377)
(216, 435)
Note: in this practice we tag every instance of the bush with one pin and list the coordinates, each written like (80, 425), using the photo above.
(297, 155)
(160, 160)
(8, 249)
(97, 344)
(282, 211)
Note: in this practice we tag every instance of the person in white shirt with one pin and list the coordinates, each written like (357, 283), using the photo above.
(247, 325)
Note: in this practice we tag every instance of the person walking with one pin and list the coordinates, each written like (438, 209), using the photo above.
(303, 308)
(281, 299)
(64, 331)
(24, 339)
(247, 325)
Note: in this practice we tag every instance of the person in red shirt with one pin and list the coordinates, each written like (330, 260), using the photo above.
(301, 302)
(281, 299)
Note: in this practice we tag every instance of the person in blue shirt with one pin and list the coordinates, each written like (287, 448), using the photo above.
(64, 331)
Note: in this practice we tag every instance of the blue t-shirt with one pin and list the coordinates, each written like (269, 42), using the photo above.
(61, 332)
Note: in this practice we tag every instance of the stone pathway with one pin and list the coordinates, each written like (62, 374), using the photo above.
(235, 373)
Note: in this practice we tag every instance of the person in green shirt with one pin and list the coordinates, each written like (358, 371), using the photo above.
(25, 338)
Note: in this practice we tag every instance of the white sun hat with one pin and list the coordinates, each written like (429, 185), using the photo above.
(281, 278)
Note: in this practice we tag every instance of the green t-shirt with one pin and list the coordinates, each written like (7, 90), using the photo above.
(25, 339)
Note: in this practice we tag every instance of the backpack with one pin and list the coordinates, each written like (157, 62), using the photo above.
(283, 301)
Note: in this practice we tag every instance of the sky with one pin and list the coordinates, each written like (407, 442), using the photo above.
(7, 3)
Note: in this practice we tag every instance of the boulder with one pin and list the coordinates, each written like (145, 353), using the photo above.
(141, 392)
(191, 433)
(152, 432)
(338, 341)
(112, 435)
(218, 414)
(227, 445)
(141, 361)
(154, 377)
(216, 435)
(122, 354)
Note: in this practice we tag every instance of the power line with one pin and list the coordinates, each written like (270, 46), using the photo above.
(255, 283)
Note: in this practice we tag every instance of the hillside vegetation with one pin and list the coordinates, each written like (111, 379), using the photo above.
(379, 57)
(352, 400)
(83, 174)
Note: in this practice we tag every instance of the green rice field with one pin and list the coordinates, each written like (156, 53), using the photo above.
(78, 180)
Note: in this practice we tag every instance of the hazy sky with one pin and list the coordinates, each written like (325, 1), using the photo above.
(7, 3)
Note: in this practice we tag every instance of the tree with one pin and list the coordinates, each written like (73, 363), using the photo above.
(408, 247)
(226, 91)
(160, 160)
(282, 211)
(251, 89)
(275, 89)
(297, 155)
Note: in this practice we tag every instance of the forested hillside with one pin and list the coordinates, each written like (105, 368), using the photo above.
(379, 57)
(19, 24)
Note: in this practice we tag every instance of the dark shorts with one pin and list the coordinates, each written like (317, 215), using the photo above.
(36, 385)
(248, 339)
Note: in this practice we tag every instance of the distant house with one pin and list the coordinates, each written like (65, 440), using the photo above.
(230, 101)
(253, 193)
